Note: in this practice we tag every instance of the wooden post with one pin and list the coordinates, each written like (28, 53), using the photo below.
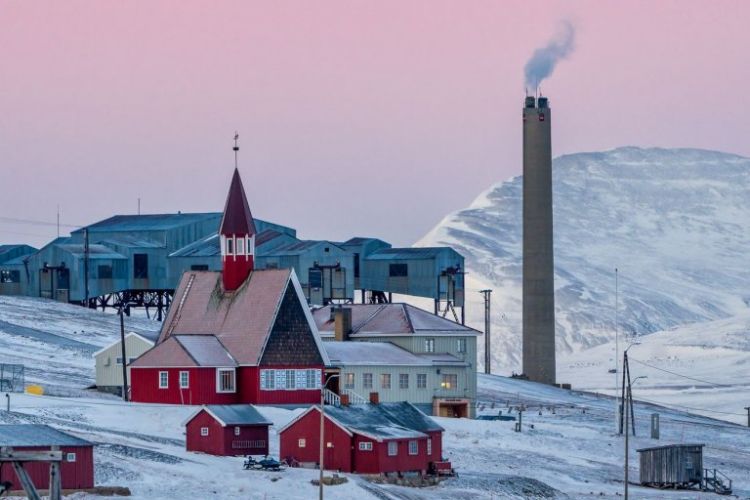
(55, 481)
(28, 485)
(124, 359)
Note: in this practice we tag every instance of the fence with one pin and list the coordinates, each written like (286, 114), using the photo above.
(11, 378)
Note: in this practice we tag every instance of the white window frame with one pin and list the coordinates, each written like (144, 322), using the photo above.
(392, 448)
(240, 246)
(367, 382)
(444, 384)
(301, 443)
(219, 371)
(349, 380)
(230, 245)
(401, 378)
(204, 431)
(165, 380)
(429, 345)
(421, 377)
(237, 430)
(461, 345)
(270, 380)
(186, 385)
(70, 457)
(429, 446)
(365, 446)
(291, 380)
(383, 377)
(413, 447)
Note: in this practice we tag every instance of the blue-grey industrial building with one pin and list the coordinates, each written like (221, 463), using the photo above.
(137, 260)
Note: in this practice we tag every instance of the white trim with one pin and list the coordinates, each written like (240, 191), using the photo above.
(416, 447)
(131, 334)
(160, 374)
(218, 379)
(204, 434)
(388, 451)
(179, 379)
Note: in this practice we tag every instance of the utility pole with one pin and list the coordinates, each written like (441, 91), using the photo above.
(86, 265)
(322, 432)
(748, 415)
(124, 359)
(625, 411)
(487, 323)
(618, 420)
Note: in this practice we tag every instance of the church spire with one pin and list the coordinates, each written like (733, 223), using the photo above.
(237, 233)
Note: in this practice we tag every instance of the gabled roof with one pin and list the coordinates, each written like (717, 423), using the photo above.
(240, 321)
(409, 253)
(237, 218)
(95, 251)
(146, 337)
(132, 241)
(381, 421)
(232, 415)
(371, 353)
(210, 245)
(37, 435)
(392, 319)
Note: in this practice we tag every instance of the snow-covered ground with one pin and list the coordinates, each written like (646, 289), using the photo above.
(568, 452)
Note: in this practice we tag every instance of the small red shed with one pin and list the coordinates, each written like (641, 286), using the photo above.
(76, 468)
(365, 438)
(227, 430)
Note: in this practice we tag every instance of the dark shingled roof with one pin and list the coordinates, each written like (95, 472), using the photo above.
(384, 420)
(37, 435)
(237, 218)
(235, 415)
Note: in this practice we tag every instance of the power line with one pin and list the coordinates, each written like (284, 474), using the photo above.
(680, 375)
(690, 407)
(14, 220)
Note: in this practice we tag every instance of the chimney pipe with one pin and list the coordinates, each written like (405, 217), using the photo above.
(374, 398)
(342, 323)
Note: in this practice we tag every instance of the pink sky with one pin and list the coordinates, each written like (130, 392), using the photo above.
(355, 118)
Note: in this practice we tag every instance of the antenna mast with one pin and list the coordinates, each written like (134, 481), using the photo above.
(236, 147)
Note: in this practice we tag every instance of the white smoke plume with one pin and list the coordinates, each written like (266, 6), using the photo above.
(544, 59)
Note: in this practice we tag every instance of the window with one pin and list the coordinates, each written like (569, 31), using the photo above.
(385, 380)
(301, 443)
(119, 361)
(367, 380)
(313, 379)
(130, 360)
(429, 345)
(413, 447)
(70, 457)
(104, 272)
(290, 379)
(461, 345)
(163, 379)
(429, 446)
(236, 431)
(267, 380)
(398, 270)
(240, 246)
(403, 380)
(421, 381)
(184, 380)
(204, 431)
(10, 276)
(392, 448)
(315, 278)
(199, 267)
(349, 381)
(365, 445)
(140, 266)
(450, 381)
(225, 380)
(230, 246)
(356, 265)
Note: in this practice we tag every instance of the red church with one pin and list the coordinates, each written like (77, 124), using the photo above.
(236, 336)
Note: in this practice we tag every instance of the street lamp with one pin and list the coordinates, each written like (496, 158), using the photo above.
(322, 426)
(628, 397)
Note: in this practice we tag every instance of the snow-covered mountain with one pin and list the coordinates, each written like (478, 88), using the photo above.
(675, 222)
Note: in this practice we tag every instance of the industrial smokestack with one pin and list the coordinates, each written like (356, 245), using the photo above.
(538, 261)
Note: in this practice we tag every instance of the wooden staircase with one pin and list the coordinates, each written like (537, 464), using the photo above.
(715, 481)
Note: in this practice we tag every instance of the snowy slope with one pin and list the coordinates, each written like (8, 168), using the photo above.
(55, 341)
(675, 222)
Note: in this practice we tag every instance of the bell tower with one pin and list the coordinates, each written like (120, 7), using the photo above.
(237, 233)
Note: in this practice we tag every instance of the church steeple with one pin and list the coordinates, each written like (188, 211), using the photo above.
(237, 234)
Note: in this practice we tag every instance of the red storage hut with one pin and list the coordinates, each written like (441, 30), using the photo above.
(365, 438)
(227, 430)
(76, 468)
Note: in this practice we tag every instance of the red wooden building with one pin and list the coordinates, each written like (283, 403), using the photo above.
(227, 430)
(76, 468)
(365, 438)
(238, 336)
